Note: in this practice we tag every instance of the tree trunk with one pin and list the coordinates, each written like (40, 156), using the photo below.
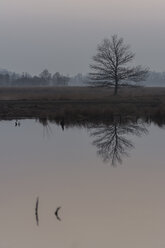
(116, 89)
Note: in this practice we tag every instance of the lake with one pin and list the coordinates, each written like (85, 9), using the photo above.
(107, 179)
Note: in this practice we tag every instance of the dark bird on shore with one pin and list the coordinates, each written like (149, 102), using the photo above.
(36, 211)
(56, 214)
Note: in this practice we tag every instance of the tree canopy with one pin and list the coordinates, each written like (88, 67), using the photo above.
(111, 65)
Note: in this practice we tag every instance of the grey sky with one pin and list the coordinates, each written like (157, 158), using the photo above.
(62, 35)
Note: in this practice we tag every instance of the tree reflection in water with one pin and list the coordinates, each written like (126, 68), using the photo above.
(111, 139)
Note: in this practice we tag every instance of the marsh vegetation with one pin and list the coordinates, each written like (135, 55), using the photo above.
(81, 103)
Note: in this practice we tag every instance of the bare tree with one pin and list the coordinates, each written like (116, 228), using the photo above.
(45, 75)
(110, 65)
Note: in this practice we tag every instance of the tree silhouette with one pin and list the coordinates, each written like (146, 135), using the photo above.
(110, 65)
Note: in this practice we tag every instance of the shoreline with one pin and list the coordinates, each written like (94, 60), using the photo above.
(80, 103)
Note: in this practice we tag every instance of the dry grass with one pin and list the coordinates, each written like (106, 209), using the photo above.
(80, 103)
(76, 93)
(53, 93)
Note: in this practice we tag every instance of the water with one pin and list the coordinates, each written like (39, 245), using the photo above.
(104, 203)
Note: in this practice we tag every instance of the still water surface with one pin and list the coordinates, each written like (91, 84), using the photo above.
(119, 205)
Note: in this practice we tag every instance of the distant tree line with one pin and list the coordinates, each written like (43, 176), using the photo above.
(155, 79)
(45, 78)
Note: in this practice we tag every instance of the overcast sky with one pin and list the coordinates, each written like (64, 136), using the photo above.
(62, 35)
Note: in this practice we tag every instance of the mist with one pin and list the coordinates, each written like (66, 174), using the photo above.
(63, 35)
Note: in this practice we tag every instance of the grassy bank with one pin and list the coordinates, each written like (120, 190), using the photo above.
(79, 93)
(80, 102)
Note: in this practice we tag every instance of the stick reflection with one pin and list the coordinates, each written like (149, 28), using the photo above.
(57, 213)
(36, 211)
